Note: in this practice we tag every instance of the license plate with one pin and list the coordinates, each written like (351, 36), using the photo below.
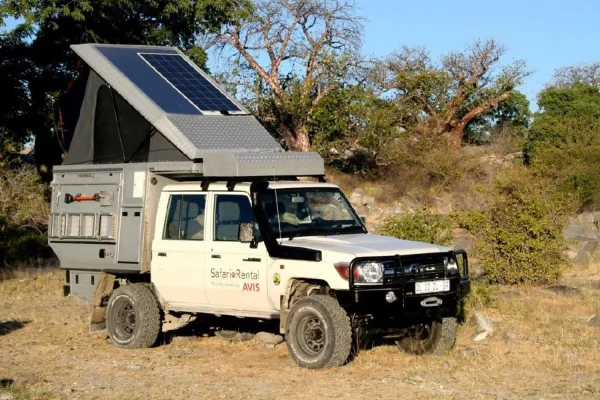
(432, 286)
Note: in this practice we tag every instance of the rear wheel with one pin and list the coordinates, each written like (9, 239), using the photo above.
(434, 337)
(133, 317)
(318, 333)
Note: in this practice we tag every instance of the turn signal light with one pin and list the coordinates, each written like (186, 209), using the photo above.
(344, 270)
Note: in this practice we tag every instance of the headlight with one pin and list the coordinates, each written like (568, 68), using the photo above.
(451, 265)
(369, 272)
(365, 272)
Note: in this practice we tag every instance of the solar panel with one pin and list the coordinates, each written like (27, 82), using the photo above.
(184, 77)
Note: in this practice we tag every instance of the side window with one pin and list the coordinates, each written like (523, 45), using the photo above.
(230, 212)
(185, 218)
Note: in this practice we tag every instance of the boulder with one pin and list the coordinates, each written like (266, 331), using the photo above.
(442, 206)
(356, 198)
(594, 321)
(268, 339)
(233, 336)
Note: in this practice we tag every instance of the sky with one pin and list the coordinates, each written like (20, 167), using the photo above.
(547, 34)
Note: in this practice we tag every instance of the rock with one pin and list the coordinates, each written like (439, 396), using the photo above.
(586, 218)
(267, 338)
(480, 336)
(368, 200)
(443, 207)
(131, 366)
(573, 230)
(463, 240)
(234, 336)
(356, 198)
(564, 290)
(468, 352)
(5, 395)
(483, 323)
(334, 151)
(476, 270)
(512, 156)
(594, 320)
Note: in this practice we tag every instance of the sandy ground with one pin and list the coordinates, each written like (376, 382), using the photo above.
(542, 348)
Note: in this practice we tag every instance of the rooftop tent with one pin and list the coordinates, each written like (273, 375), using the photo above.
(149, 103)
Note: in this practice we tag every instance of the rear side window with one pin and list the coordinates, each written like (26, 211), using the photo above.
(185, 217)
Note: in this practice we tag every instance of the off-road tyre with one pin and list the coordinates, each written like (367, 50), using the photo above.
(440, 337)
(133, 317)
(321, 316)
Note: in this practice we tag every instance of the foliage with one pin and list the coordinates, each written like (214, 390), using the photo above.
(449, 95)
(41, 64)
(421, 226)
(588, 73)
(511, 115)
(564, 140)
(316, 41)
(24, 213)
(519, 233)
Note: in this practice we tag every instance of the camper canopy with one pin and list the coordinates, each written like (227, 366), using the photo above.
(153, 104)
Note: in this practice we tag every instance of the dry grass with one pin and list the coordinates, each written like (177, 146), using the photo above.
(542, 347)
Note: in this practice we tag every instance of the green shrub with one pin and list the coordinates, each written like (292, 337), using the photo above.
(422, 226)
(519, 234)
(23, 216)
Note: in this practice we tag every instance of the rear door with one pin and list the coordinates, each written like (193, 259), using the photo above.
(236, 274)
(178, 249)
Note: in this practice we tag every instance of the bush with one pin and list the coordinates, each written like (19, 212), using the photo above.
(23, 216)
(422, 226)
(519, 234)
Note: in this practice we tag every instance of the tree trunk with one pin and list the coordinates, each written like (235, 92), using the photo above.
(295, 135)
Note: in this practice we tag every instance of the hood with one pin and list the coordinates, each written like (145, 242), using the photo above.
(363, 245)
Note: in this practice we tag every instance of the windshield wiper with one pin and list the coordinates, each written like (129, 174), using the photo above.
(306, 232)
(348, 229)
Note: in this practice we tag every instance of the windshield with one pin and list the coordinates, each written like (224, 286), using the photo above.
(308, 212)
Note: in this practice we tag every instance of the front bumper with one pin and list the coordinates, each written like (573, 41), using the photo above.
(407, 304)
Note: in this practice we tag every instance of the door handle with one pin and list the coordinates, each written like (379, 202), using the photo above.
(162, 254)
(251, 259)
(215, 256)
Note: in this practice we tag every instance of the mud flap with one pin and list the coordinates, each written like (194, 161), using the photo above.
(103, 291)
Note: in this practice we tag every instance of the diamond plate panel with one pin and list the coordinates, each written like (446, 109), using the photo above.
(220, 132)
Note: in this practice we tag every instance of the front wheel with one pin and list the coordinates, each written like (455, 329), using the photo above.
(133, 317)
(434, 337)
(318, 333)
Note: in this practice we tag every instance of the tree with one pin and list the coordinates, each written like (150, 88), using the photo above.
(511, 115)
(302, 50)
(43, 63)
(564, 139)
(583, 73)
(451, 94)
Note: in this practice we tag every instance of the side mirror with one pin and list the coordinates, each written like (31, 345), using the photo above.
(246, 235)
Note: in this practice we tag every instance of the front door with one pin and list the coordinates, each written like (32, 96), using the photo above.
(236, 273)
(178, 250)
